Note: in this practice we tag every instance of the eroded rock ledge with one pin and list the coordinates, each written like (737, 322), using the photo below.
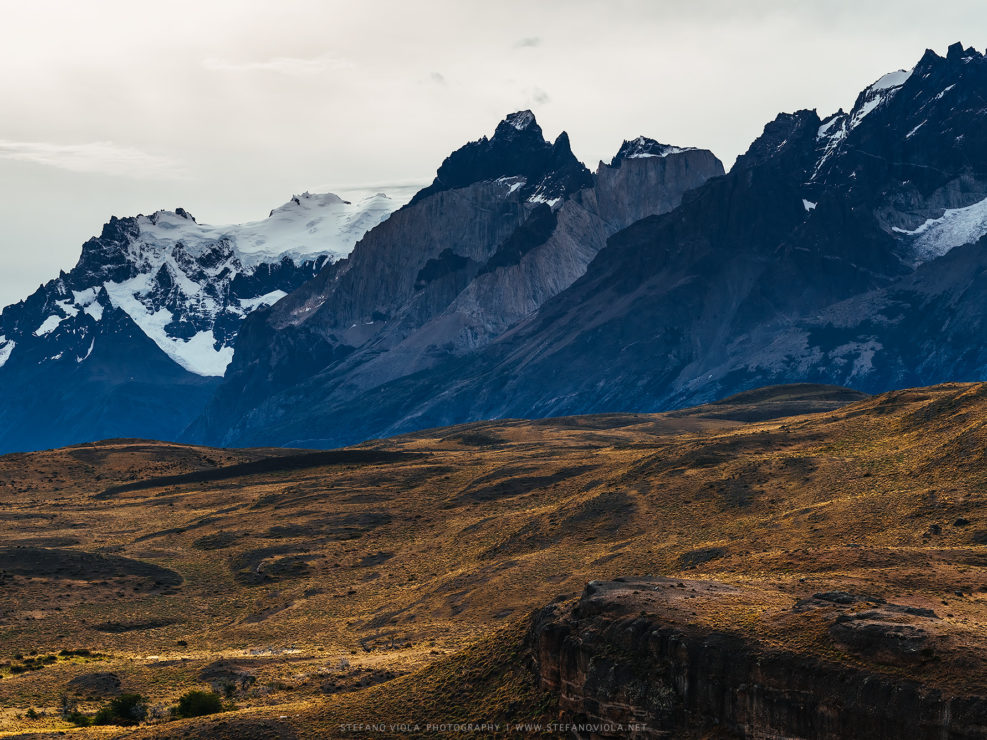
(632, 652)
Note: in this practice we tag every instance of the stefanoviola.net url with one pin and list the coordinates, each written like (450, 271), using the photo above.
(527, 728)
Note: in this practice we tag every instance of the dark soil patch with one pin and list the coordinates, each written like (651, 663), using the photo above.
(611, 509)
(517, 486)
(375, 559)
(216, 541)
(136, 626)
(703, 555)
(266, 466)
(336, 527)
(75, 564)
(95, 685)
(46, 542)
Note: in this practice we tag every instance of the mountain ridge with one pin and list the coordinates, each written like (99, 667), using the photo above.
(459, 267)
(131, 340)
(827, 250)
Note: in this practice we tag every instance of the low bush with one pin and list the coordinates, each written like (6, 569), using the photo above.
(77, 718)
(126, 709)
(197, 703)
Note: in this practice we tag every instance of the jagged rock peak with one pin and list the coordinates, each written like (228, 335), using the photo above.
(520, 125)
(642, 147)
(957, 52)
(517, 149)
(779, 135)
(522, 120)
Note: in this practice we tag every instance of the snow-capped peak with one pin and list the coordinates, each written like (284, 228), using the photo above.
(307, 226)
(838, 126)
(309, 202)
(520, 120)
(877, 93)
(643, 147)
(187, 286)
(891, 79)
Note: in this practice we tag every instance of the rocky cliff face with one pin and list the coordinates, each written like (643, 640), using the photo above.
(629, 654)
(508, 223)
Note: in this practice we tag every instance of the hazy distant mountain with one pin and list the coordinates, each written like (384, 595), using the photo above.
(133, 339)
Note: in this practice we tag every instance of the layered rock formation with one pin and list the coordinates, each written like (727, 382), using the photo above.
(629, 653)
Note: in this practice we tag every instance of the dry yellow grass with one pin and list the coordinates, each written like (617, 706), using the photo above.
(397, 590)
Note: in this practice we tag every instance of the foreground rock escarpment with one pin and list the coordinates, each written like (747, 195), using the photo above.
(632, 652)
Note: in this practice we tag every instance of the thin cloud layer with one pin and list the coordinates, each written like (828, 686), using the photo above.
(279, 65)
(98, 157)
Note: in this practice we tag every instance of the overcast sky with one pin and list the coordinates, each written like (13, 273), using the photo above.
(228, 107)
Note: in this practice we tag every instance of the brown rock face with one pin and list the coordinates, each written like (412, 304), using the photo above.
(625, 655)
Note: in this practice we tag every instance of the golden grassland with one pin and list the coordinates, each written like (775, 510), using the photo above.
(399, 590)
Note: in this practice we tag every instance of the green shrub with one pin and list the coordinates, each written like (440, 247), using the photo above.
(78, 719)
(126, 709)
(197, 703)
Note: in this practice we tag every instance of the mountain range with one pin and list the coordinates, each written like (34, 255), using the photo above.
(134, 339)
(845, 250)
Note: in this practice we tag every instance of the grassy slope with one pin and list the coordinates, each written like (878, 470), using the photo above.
(397, 567)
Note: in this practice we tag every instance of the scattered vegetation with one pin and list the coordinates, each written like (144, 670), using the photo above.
(125, 710)
(197, 703)
(420, 568)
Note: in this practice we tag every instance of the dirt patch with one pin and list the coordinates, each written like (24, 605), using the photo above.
(224, 674)
(337, 527)
(610, 509)
(46, 542)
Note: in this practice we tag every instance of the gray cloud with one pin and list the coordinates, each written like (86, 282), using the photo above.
(98, 157)
(438, 78)
(528, 42)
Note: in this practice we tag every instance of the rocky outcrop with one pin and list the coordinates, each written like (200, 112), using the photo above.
(627, 654)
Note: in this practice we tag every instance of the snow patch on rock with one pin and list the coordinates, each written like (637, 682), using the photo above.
(48, 325)
(955, 227)
(6, 347)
